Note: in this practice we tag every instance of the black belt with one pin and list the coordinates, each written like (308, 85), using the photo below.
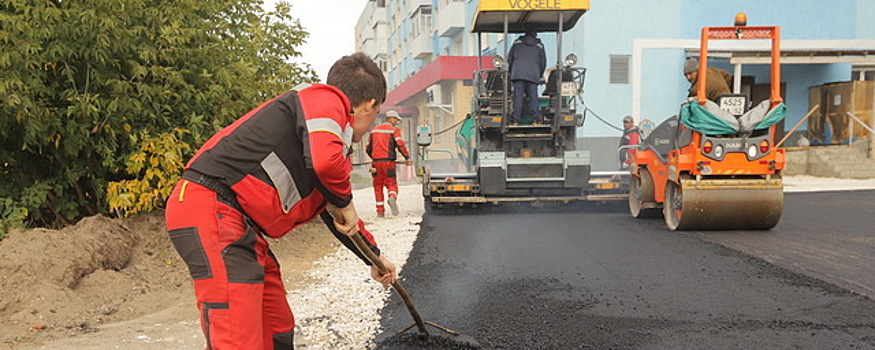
(216, 185)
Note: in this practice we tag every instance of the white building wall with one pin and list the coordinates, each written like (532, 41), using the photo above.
(371, 33)
(410, 26)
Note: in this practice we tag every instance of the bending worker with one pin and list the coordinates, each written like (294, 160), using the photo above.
(272, 170)
(717, 82)
(384, 139)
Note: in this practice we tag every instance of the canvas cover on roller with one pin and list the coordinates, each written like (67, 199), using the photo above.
(709, 119)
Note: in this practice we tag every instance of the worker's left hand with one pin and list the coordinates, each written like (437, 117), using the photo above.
(408, 162)
(345, 219)
(386, 278)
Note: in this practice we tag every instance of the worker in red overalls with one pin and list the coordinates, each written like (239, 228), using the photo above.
(631, 137)
(272, 170)
(384, 139)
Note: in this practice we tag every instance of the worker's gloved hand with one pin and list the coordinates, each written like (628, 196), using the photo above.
(386, 278)
(345, 219)
(373, 171)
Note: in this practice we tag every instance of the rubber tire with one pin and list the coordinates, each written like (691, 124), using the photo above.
(673, 198)
(641, 192)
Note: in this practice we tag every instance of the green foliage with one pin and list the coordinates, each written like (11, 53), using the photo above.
(11, 216)
(83, 85)
(155, 167)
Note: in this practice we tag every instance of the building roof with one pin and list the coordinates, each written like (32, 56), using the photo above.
(443, 68)
(522, 16)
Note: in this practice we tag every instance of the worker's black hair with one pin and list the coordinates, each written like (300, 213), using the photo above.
(359, 78)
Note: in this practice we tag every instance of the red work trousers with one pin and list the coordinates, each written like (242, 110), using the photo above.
(384, 176)
(237, 283)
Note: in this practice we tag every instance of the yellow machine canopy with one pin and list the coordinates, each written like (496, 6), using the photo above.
(535, 15)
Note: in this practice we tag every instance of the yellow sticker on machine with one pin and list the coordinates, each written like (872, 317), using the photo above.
(525, 5)
(458, 187)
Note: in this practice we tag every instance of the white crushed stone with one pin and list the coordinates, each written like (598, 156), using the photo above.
(805, 183)
(341, 309)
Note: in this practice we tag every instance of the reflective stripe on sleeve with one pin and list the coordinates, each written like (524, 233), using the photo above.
(325, 125)
(332, 127)
(301, 86)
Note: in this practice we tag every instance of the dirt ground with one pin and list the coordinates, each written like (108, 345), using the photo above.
(115, 279)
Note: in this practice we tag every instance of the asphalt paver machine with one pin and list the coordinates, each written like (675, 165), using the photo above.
(535, 162)
(715, 166)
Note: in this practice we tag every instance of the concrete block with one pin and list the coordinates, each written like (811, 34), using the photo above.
(796, 162)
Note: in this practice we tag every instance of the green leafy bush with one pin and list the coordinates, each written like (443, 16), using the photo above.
(86, 87)
(155, 167)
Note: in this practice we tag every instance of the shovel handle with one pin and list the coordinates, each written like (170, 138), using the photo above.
(360, 243)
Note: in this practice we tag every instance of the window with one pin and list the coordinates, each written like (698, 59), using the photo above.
(619, 69)
(863, 73)
(421, 21)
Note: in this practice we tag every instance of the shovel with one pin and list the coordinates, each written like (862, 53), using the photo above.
(455, 339)
(417, 319)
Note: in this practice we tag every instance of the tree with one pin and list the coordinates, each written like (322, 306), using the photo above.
(84, 83)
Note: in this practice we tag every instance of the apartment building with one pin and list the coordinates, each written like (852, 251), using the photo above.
(633, 52)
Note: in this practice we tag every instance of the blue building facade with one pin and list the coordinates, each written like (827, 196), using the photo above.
(604, 38)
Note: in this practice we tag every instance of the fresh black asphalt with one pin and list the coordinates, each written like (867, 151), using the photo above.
(594, 278)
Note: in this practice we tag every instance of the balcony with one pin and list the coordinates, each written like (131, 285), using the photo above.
(420, 47)
(368, 46)
(451, 18)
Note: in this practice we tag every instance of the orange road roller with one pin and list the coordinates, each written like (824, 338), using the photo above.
(715, 165)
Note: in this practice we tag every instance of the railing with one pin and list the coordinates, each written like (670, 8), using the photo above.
(810, 112)
(853, 118)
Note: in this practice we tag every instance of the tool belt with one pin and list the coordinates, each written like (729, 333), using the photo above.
(216, 185)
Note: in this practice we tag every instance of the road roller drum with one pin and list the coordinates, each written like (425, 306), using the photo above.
(723, 204)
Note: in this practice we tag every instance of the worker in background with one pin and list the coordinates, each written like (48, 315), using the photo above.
(274, 169)
(631, 136)
(384, 140)
(526, 61)
(717, 83)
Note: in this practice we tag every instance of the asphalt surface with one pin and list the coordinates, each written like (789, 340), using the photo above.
(828, 235)
(595, 278)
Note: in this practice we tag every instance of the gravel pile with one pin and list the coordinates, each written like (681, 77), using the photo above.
(341, 308)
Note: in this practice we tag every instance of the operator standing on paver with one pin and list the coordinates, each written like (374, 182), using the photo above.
(272, 170)
(527, 61)
(384, 140)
